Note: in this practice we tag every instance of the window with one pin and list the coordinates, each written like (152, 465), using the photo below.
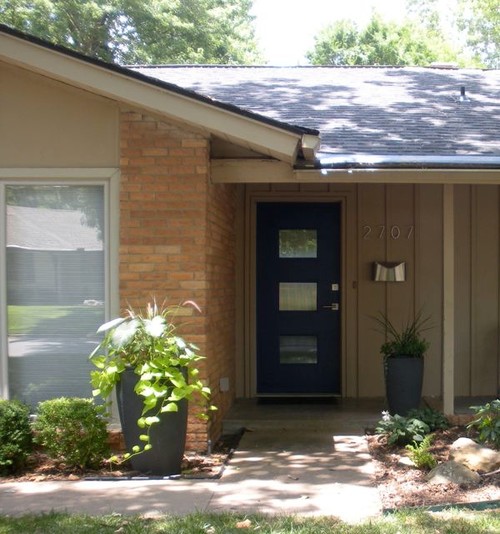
(54, 256)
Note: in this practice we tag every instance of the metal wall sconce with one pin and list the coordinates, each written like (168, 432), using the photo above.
(384, 271)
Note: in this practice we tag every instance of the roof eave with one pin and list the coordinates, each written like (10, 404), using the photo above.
(272, 138)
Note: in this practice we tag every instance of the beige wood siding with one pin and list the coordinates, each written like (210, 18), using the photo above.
(48, 124)
(429, 277)
(394, 222)
(484, 294)
(463, 264)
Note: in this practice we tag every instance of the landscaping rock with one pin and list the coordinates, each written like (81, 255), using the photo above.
(453, 472)
(474, 456)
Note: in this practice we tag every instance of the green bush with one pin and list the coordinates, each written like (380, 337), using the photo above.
(72, 430)
(420, 454)
(401, 430)
(487, 422)
(16, 441)
(434, 419)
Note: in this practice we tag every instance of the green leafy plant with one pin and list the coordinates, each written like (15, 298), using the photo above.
(16, 438)
(434, 419)
(400, 430)
(487, 422)
(72, 430)
(420, 454)
(407, 341)
(165, 365)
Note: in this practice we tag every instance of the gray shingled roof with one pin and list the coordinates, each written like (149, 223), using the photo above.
(399, 111)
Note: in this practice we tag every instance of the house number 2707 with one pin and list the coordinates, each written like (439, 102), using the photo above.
(381, 231)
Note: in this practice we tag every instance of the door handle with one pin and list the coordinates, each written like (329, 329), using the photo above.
(334, 307)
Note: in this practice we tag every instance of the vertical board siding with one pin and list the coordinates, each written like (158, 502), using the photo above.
(404, 222)
(429, 278)
(463, 290)
(400, 246)
(484, 364)
(371, 295)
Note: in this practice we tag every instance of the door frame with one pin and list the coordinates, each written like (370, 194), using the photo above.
(250, 277)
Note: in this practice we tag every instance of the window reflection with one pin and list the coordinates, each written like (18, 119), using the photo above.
(298, 244)
(298, 350)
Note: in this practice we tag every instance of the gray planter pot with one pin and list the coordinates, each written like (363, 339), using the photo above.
(403, 382)
(168, 437)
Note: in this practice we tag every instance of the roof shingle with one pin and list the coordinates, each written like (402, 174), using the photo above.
(362, 110)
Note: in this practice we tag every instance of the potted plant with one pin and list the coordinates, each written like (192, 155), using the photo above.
(403, 353)
(155, 374)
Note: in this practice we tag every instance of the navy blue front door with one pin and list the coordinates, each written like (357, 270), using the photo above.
(298, 299)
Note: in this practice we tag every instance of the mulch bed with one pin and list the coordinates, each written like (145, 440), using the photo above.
(203, 466)
(401, 485)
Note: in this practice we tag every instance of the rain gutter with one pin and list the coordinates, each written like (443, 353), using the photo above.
(373, 162)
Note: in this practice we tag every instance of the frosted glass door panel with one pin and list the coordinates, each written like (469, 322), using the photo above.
(298, 296)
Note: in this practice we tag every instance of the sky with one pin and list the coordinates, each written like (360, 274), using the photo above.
(286, 28)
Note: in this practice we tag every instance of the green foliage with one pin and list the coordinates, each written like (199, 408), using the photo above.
(72, 430)
(480, 20)
(131, 31)
(163, 362)
(400, 430)
(406, 342)
(414, 430)
(420, 454)
(434, 419)
(15, 436)
(379, 43)
(487, 422)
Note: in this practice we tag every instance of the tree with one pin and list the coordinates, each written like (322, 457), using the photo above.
(135, 31)
(480, 19)
(379, 43)
(426, 12)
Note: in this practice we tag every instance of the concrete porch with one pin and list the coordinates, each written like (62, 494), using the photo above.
(335, 415)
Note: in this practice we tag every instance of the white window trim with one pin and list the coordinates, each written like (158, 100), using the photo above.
(107, 177)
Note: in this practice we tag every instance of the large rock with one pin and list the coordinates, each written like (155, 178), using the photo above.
(453, 472)
(475, 456)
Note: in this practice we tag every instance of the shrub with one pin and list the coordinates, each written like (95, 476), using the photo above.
(420, 454)
(487, 422)
(16, 441)
(434, 419)
(72, 430)
(401, 430)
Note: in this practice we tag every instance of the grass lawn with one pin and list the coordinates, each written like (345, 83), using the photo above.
(44, 320)
(200, 523)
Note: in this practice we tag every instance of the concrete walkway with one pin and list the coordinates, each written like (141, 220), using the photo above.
(301, 467)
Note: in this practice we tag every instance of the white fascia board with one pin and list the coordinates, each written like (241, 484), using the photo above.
(244, 131)
(310, 146)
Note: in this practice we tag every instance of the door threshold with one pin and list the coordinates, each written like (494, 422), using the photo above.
(290, 395)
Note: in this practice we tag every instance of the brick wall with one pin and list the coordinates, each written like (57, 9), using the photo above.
(221, 265)
(177, 243)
